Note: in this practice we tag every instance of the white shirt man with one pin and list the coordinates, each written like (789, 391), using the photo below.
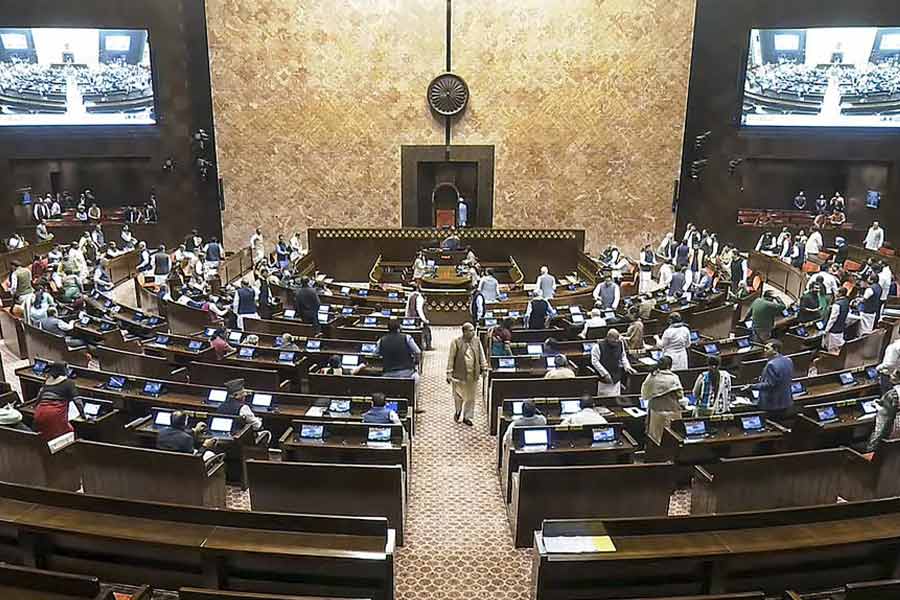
(258, 246)
(296, 247)
(884, 280)
(829, 281)
(814, 243)
(596, 320)
(674, 343)
(607, 294)
(546, 283)
(489, 287)
(665, 275)
(891, 361)
(874, 237)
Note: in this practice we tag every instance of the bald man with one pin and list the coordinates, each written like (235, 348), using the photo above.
(610, 360)
(466, 364)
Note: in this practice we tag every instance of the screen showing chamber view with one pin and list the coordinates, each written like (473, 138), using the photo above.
(823, 77)
(75, 77)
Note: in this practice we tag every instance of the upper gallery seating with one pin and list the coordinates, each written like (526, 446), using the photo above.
(785, 89)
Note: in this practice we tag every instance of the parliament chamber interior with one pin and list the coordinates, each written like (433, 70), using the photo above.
(440, 300)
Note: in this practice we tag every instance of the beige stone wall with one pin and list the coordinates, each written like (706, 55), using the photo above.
(583, 99)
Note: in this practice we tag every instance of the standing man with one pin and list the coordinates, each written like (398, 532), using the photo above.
(675, 341)
(889, 364)
(20, 283)
(607, 294)
(306, 303)
(466, 364)
(539, 311)
(774, 384)
(546, 283)
(610, 360)
(874, 237)
(462, 212)
(837, 322)
(399, 353)
(489, 286)
(162, 264)
(870, 305)
(257, 246)
(647, 262)
(415, 307)
(814, 242)
(800, 201)
(885, 278)
(763, 312)
(244, 305)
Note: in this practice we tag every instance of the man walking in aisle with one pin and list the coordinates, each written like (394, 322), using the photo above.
(466, 364)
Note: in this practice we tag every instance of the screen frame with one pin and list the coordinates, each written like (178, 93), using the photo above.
(99, 130)
(787, 131)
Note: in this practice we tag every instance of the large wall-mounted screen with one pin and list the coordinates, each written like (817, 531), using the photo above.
(75, 77)
(823, 77)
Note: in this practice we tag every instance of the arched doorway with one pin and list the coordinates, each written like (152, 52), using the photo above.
(444, 203)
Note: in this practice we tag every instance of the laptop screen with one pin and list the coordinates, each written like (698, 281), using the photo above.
(568, 407)
(517, 407)
(350, 360)
(551, 362)
(91, 409)
(695, 336)
(339, 406)
(379, 434)
(370, 321)
(847, 378)
(802, 331)
(312, 432)
(535, 349)
(363, 293)
(163, 418)
(711, 348)
(345, 290)
(323, 317)
(39, 366)
(507, 363)
(235, 337)
(695, 427)
(743, 343)
(826, 413)
(369, 348)
(162, 339)
(872, 373)
(264, 400)
(152, 387)
(587, 347)
(820, 325)
(313, 344)
(515, 313)
(604, 434)
(535, 437)
(751, 423)
(209, 331)
(116, 382)
(194, 345)
(246, 352)
(221, 424)
(797, 389)
(217, 395)
(577, 318)
(392, 295)
(290, 313)
(278, 341)
(490, 322)
(286, 357)
(347, 310)
(408, 323)
(870, 407)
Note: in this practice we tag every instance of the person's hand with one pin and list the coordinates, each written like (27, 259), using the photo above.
(630, 371)
(209, 444)
(449, 378)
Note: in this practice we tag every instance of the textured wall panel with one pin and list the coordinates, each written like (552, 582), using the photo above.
(584, 100)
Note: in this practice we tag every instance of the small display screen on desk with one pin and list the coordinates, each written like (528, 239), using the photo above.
(369, 348)
(379, 434)
(313, 344)
(162, 340)
(152, 388)
(798, 389)
(847, 378)
(743, 343)
(507, 363)
(195, 345)
(217, 395)
(246, 352)
(568, 407)
(711, 348)
(262, 400)
(603, 434)
(286, 357)
(694, 428)
(221, 424)
(116, 382)
(751, 423)
(163, 418)
(312, 432)
(91, 409)
(517, 407)
(40, 366)
(235, 337)
(339, 406)
(350, 360)
(826, 413)
(536, 437)
(535, 349)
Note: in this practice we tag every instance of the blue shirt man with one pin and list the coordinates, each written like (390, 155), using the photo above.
(774, 384)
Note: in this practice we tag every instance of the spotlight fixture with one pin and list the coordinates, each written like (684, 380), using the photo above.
(168, 165)
(701, 140)
(734, 164)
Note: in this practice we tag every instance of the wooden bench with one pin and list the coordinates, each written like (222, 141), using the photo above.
(521, 389)
(203, 594)
(40, 343)
(362, 385)
(24, 583)
(751, 370)
(780, 480)
(151, 475)
(140, 365)
(583, 492)
(323, 489)
(169, 545)
(26, 458)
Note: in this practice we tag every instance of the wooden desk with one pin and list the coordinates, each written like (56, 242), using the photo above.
(832, 424)
(569, 446)
(169, 546)
(725, 439)
(500, 390)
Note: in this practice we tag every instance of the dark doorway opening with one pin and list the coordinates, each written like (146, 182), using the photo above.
(442, 187)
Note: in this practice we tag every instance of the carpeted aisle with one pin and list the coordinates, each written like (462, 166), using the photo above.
(458, 544)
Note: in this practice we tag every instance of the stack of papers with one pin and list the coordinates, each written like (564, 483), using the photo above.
(635, 411)
(315, 411)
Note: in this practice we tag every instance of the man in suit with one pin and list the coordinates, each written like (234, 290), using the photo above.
(306, 303)
(176, 438)
(244, 304)
(774, 384)
(466, 364)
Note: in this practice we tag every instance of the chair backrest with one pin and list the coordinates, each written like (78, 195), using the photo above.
(115, 360)
(49, 582)
(873, 590)
(217, 374)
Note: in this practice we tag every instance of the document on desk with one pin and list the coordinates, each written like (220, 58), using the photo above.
(646, 360)
(315, 411)
(635, 412)
(579, 544)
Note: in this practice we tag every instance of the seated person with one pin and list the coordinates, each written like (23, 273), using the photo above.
(10, 417)
(236, 404)
(93, 213)
(102, 280)
(561, 369)
(530, 418)
(289, 343)
(16, 242)
(175, 438)
(595, 320)
(335, 367)
(219, 344)
(588, 414)
(379, 413)
(837, 218)
(54, 325)
(81, 213)
(113, 251)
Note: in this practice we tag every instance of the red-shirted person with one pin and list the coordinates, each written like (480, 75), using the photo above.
(219, 344)
(51, 417)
